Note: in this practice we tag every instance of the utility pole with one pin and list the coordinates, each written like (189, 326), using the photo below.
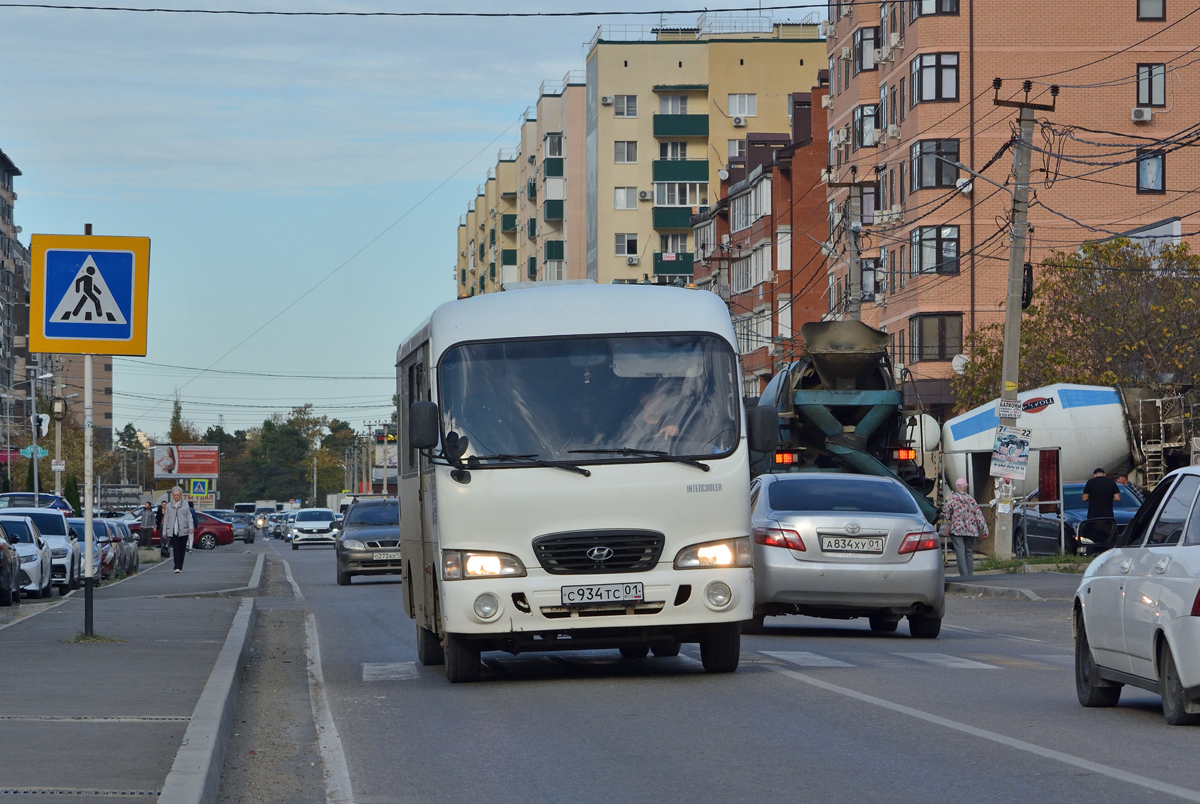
(1003, 541)
(58, 400)
(37, 496)
(314, 496)
(854, 234)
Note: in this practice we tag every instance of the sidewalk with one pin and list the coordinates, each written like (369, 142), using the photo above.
(1018, 586)
(106, 720)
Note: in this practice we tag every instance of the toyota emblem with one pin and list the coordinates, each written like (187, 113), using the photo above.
(853, 527)
(600, 553)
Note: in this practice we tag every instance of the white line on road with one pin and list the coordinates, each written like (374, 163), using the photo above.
(948, 661)
(1020, 745)
(805, 659)
(989, 633)
(337, 775)
(1059, 659)
(287, 570)
(389, 671)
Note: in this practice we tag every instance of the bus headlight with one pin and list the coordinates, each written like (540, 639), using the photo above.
(460, 564)
(725, 553)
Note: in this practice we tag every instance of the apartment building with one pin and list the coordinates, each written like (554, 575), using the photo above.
(69, 369)
(670, 112)
(911, 88)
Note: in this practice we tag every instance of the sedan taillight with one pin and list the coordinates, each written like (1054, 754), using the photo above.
(778, 537)
(1196, 605)
(919, 541)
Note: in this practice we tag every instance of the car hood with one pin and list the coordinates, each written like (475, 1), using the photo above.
(56, 541)
(370, 533)
(25, 549)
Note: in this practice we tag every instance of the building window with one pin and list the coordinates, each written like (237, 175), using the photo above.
(932, 8)
(935, 337)
(554, 250)
(746, 208)
(627, 245)
(934, 78)
(833, 83)
(903, 106)
(864, 49)
(1150, 165)
(868, 203)
(737, 149)
(1151, 9)
(902, 184)
(935, 250)
(625, 106)
(625, 152)
(883, 106)
(672, 150)
(555, 271)
(831, 157)
(705, 240)
(743, 105)
(933, 164)
(892, 110)
(625, 198)
(750, 272)
(554, 145)
(462, 276)
(681, 194)
(673, 243)
(672, 104)
(865, 122)
(900, 263)
(1152, 85)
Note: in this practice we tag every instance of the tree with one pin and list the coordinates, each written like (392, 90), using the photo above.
(181, 431)
(71, 493)
(1113, 313)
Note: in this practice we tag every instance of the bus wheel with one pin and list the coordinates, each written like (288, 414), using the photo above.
(429, 647)
(721, 647)
(462, 659)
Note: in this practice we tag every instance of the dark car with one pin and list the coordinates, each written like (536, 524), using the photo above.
(369, 543)
(1081, 535)
(10, 572)
(208, 531)
(25, 499)
(243, 526)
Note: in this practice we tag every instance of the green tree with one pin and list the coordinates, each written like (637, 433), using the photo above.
(71, 492)
(277, 467)
(181, 431)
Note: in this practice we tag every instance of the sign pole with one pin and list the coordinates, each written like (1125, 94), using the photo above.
(37, 492)
(58, 489)
(89, 581)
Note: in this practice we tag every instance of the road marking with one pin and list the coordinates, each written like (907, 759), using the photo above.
(948, 661)
(989, 633)
(389, 671)
(287, 570)
(805, 659)
(1054, 658)
(75, 791)
(337, 775)
(88, 719)
(1020, 745)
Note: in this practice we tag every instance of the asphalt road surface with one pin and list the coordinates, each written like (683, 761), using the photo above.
(819, 711)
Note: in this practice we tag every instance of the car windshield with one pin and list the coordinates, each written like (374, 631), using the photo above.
(314, 516)
(50, 523)
(18, 532)
(1073, 498)
(840, 494)
(25, 500)
(98, 529)
(377, 514)
(551, 398)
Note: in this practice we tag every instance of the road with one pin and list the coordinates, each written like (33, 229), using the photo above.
(819, 711)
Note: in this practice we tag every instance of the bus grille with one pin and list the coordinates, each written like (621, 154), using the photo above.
(628, 551)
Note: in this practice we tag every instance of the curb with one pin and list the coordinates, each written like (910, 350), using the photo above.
(237, 591)
(1000, 592)
(195, 776)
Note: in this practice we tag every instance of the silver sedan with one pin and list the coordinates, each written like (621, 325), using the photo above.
(843, 546)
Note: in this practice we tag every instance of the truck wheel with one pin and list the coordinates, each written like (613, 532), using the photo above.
(462, 659)
(666, 651)
(1087, 688)
(721, 647)
(922, 627)
(635, 651)
(1174, 704)
(881, 626)
(429, 648)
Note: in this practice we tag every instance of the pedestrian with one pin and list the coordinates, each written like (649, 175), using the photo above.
(1100, 493)
(965, 524)
(177, 524)
(1123, 480)
(164, 546)
(148, 523)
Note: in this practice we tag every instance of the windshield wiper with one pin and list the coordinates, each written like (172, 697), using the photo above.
(649, 453)
(475, 462)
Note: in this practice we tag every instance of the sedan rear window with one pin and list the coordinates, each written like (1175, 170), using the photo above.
(840, 494)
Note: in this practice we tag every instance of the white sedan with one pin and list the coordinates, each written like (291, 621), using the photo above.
(1137, 611)
(37, 573)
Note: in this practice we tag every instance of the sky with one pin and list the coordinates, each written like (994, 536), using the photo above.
(262, 156)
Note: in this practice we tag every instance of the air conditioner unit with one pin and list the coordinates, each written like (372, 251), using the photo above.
(739, 122)
(881, 54)
(847, 10)
(827, 102)
(645, 195)
(606, 100)
(632, 260)
(825, 177)
(837, 219)
(897, 213)
(893, 132)
(726, 240)
(1141, 114)
(841, 137)
(894, 39)
(491, 213)
(847, 53)
(828, 29)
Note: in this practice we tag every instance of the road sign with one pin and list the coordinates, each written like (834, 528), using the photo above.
(198, 488)
(88, 294)
(58, 466)
(27, 452)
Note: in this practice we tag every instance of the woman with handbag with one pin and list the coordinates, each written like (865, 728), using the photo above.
(177, 525)
(965, 523)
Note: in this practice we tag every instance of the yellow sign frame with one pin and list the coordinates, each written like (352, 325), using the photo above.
(39, 343)
(197, 483)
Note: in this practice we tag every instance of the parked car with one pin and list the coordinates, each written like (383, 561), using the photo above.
(845, 546)
(111, 552)
(37, 574)
(131, 560)
(314, 526)
(66, 552)
(24, 499)
(10, 572)
(221, 513)
(208, 531)
(243, 527)
(276, 523)
(1041, 529)
(102, 551)
(1137, 610)
(369, 541)
(289, 519)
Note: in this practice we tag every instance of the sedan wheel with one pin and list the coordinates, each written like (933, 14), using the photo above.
(1175, 705)
(1087, 684)
(922, 627)
(208, 542)
(75, 582)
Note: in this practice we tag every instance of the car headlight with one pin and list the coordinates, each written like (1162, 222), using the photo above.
(59, 552)
(353, 544)
(460, 564)
(724, 553)
(29, 559)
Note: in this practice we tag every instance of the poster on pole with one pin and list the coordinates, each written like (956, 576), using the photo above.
(185, 461)
(1010, 454)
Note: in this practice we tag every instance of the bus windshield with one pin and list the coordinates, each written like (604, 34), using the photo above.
(573, 399)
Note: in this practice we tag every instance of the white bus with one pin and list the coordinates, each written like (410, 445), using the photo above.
(574, 474)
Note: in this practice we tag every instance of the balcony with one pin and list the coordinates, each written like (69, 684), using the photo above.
(681, 170)
(673, 264)
(508, 223)
(681, 125)
(554, 166)
(672, 217)
(552, 211)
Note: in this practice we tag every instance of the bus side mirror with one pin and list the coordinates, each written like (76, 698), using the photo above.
(424, 425)
(762, 428)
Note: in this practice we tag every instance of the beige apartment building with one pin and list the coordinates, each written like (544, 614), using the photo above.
(911, 94)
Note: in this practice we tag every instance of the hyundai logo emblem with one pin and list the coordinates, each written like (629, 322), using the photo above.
(600, 553)
(853, 527)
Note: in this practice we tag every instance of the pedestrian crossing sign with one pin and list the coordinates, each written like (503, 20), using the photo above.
(88, 294)
(198, 488)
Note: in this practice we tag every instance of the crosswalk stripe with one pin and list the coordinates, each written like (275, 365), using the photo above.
(389, 671)
(805, 659)
(948, 661)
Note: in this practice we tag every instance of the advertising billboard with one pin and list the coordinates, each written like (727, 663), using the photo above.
(184, 461)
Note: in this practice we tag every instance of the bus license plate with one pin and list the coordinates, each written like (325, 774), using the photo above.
(602, 593)
(838, 544)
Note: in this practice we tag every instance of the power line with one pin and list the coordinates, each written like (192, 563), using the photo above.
(415, 14)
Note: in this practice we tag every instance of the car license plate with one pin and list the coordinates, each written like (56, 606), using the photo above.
(840, 544)
(602, 593)
(393, 554)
